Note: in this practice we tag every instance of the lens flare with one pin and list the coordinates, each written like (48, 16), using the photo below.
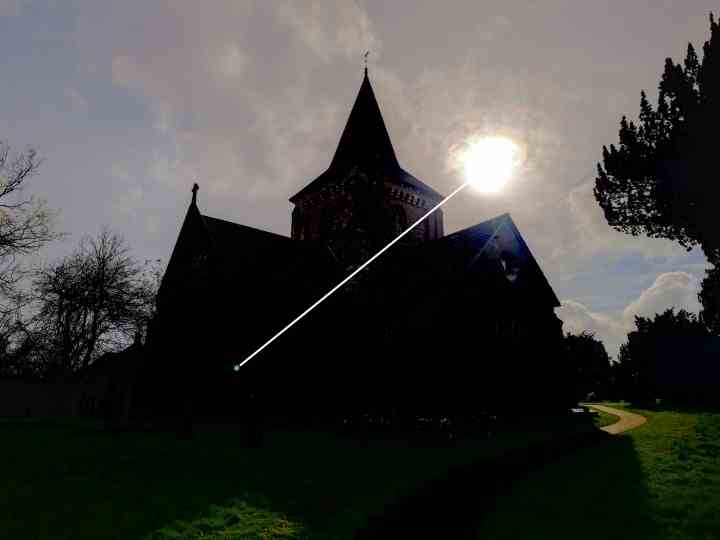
(489, 163)
(352, 275)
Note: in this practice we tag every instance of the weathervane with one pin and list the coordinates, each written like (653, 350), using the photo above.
(365, 57)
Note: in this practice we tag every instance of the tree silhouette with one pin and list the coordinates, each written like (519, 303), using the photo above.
(710, 299)
(93, 301)
(661, 180)
(25, 221)
(591, 364)
(655, 341)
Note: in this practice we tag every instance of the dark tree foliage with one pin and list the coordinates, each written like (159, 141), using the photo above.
(16, 343)
(662, 179)
(91, 302)
(657, 344)
(590, 363)
(710, 299)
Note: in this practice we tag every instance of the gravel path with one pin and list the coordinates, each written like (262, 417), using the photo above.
(627, 420)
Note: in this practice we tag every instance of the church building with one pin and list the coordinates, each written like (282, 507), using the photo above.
(439, 324)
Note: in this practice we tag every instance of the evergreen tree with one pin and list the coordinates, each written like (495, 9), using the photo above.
(661, 180)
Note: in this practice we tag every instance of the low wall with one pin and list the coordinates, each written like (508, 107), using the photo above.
(19, 398)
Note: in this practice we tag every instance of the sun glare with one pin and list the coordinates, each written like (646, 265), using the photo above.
(489, 163)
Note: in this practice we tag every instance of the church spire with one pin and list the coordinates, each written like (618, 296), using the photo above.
(365, 140)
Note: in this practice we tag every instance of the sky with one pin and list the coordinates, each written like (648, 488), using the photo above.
(128, 103)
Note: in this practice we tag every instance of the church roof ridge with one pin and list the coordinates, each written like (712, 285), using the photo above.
(214, 224)
(482, 225)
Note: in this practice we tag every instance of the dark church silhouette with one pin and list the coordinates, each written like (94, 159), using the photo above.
(461, 324)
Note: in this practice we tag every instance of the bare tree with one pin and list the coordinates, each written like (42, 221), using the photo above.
(93, 301)
(16, 340)
(25, 221)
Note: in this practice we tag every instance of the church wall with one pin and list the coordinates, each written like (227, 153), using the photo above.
(340, 209)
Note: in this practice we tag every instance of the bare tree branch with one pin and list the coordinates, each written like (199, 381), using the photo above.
(94, 301)
(25, 221)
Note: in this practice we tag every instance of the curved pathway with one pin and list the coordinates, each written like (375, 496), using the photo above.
(446, 502)
(627, 420)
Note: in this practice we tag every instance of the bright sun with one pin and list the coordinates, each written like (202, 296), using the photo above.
(489, 163)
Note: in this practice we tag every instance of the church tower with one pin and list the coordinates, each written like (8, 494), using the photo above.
(364, 199)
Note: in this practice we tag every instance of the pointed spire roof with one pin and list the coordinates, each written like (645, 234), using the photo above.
(365, 139)
(365, 143)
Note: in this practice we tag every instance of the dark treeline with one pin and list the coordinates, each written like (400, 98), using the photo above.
(590, 364)
(672, 357)
(73, 310)
(56, 319)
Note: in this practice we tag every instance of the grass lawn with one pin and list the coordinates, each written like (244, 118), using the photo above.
(605, 419)
(661, 480)
(65, 480)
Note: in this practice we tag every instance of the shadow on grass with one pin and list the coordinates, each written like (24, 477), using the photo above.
(79, 481)
(75, 480)
(597, 493)
(583, 486)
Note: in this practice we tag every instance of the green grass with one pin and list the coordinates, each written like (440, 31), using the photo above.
(78, 481)
(605, 419)
(661, 480)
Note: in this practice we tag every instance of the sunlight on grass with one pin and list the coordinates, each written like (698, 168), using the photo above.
(680, 455)
(605, 419)
(237, 519)
(660, 480)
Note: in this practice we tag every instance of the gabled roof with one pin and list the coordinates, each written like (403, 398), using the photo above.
(472, 243)
(365, 143)
(244, 249)
(226, 232)
(193, 233)
(469, 255)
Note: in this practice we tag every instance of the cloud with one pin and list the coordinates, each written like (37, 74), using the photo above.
(676, 290)
(232, 102)
(76, 101)
(11, 8)
(250, 99)
(578, 318)
(593, 235)
(672, 289)
(328, 29)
